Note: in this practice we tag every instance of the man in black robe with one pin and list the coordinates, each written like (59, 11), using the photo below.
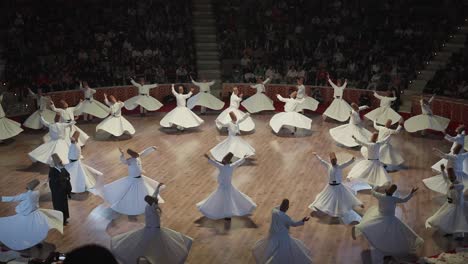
(60, 187)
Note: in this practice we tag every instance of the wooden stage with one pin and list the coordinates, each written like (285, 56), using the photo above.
(284, 168)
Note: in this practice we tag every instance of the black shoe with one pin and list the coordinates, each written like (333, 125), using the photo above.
(227, 218)
(65, 222)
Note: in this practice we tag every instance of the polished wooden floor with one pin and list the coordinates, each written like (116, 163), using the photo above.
(284, 167)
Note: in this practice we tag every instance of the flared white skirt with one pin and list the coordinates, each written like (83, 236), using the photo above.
(205, 99)
(19, 232)
(309, 103)
(390, 156)
(292, 119)
(158, 245)
(343, 135)
(126, 195)
(44, 152)
(335, 200)
(423, 122)
(257, 103)
(234, 144)
(370, 171)
(339, 110)
(68, 133)
(116, 126)
(82, 177)
(34, 120)
(9, 128)
(436, 167)
(147, 102)
(94, 108)
(450, 219)
(280, 249)
(182, 117)
(246, 126)
(382, 114)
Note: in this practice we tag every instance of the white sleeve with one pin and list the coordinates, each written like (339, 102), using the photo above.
(332, 84)
(266, 81)
(215, 163)
(196, 83)
(151, 86)
(281, 98)
(147, 151)
(237, 163)
(173, 91)
(44, 122)
(135, 83)
(123, 159)
(16, 198)
(376, 95)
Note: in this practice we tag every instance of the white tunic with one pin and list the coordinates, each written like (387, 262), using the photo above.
(204, 86)
(384, 112)
(388, 154)
(335, 173)
(339, 109)
(459, 139)
(223, 118)
(259, 101)
(181, 116)
(290, 117)
(66, 116)
(29, 202)
(143, 89)
(260, 87)
(343, 134)
(337, 90)
(91, 106)
(33, 121)
(135, 168)
(115, 124)
(301, 91)
(426, 108)
(204, 98)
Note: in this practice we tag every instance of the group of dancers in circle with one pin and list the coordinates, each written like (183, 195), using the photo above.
(138, 194)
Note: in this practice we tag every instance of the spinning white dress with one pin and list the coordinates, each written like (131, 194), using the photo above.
(335, 199)
(34, 120)
(290, 117)
(455, 161)
(308, 103)
(426, 120)
(126, 195)
(384, 112)
(181, 116)
(233, 143)
(370, 169)
(439, 183)
(384, 230)
(66, 116)
(204, 98)
(82, 177)
(57, 144)
(339, 109)
(279, 247)
(92, 106)
(388, 154)
(246, 126)
(227, 200)
(157, 244)
(115, 124)
(259, 101)
(452, 217)
(8, 127)
(143, 98)
(343, 134)
(31, 224)
(459, 139)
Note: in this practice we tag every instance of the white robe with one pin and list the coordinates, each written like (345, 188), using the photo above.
(385, 231)
(227, 200)
(308, 103)
(343, 134)
(290, 117)
(31, 224)
(82, 176)
(335, 199)
(181, 116)
(92, 106)
(66, 116)
(246, 126)
(233, 143)
(456, 161)
(384, 112)
(115, 124)
(259, 101)
(459, 139)
(370, 169)
(388, 154)
(339, 109)
(426, 120)
(157, 244)
(204, 98)
(279, 247)
(143, 99)
(57, 144)
(34, 120)
(8, 127)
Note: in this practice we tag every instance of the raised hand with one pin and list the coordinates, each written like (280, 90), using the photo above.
(305, 219)
(414, 190)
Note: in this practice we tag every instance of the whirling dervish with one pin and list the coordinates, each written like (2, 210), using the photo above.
(31, 224)
(426, 120)
(227, 201)
(456, 159)
(155, 243)
(339, 109)
(67, 116)
(233, 143)
(82, 176)
(459, 139)
(91, 107)
(439, 183)
(204, 98)
(115, 124)
(343, 135)
(58, 143)
(384, 112)
(452, 216)
(259, 101)
(247, 125)
(308, 103)
(370, 169)
(389, 155)
(336, 199)
(383, 230)
(143, 99)
(8, 127)
(42, 104)
(181, 116)
(126, 195)
(279, 247)
(290, 118)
